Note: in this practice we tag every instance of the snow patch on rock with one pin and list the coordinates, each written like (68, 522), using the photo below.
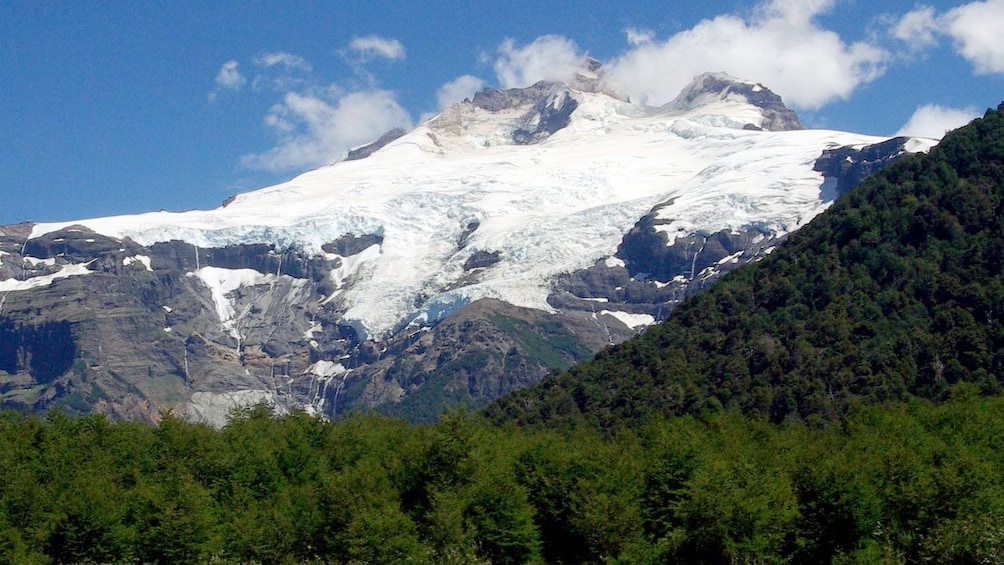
(141, 259)
(65, 271)
(223, 282)
(633, 321)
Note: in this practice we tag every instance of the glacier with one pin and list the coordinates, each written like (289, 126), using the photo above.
(458, 185)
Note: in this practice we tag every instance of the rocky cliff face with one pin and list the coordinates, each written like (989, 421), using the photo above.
(845, 167)
(517, 232)
(129, 330)
(114, 327)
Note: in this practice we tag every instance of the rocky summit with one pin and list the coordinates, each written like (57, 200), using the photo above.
(520, 231)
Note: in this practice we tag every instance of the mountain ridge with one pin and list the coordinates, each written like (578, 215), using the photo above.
(294, 294)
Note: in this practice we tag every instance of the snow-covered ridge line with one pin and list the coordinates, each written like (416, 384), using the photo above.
(459, 185)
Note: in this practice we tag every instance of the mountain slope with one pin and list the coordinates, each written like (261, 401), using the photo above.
(895, 291)
(564, 204)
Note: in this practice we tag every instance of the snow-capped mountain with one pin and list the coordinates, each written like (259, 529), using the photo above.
(516, 231)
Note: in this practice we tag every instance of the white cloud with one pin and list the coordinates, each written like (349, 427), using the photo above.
(637, 36)
(286, 60)
(977, 28)
(917, 28)
(458, 89)
(229, 76)
(933, 121)
(281, 72)
(315, 130)
(376, 46)
(549, 57)
(780, 45)
(315, 125)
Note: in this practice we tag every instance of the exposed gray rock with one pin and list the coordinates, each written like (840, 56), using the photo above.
(367, 150)
(646, 252)
(481, 352)
(845, 167)
(547, 116)
(139, 333)
(132, 341)
(75, 244)
(549, 108)
(656, 276)
(776, 116)
(480, 259)
(46, 349)
(213, 408)
(351, 244)
(591, 78)
(471, 226)
(494, 100)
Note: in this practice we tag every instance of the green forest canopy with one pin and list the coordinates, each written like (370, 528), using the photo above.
(893, 483)
(894, 292)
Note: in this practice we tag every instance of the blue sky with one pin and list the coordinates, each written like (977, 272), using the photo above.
(120, 107)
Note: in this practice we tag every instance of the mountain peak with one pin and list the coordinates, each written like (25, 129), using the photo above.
(516, 116)
(711, 89)
(591, 77)
(585, 218)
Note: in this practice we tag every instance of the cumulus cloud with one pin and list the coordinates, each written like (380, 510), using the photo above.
(977, 28)
(779, 44)
(933, 121)
(316, 129)
(458, 89)
(315, 124)
(375, 46)
(916, 28)
(228, 78)
(549, 57)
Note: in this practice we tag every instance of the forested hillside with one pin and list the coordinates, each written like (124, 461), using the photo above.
(918, 482)
(893, 293)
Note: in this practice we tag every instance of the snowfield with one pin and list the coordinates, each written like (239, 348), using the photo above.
(547, 208)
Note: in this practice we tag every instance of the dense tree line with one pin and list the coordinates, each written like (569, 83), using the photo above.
(907, 482)
(895, 292)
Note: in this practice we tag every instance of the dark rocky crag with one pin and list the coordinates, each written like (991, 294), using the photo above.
(368, 149)
(845, 167)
